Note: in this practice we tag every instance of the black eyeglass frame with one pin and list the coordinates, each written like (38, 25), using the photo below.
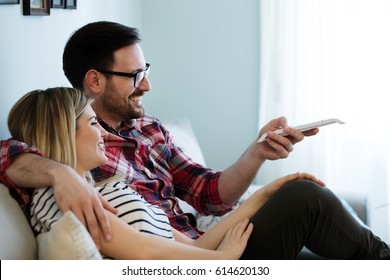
(129, 75)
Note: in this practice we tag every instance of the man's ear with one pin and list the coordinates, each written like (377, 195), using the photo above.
(94, 82)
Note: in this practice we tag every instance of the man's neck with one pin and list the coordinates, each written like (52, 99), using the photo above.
(107, 117)
(113, 124)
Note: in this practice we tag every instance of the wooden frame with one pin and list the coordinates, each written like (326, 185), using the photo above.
(60, 4)
(3, 2)
(36, 7)
(70, 4)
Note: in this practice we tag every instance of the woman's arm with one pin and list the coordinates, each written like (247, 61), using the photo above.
(128, 243)
(213, 236)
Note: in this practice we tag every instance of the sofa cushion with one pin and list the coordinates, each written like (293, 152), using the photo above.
(68, 239)
(17, 240)
(184, 137)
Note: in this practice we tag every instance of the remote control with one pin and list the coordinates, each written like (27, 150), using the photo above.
(303, 127)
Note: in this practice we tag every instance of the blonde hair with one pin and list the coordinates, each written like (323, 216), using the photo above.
(47, 120)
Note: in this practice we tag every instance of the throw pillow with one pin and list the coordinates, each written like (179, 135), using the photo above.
(184, 137)
(67, 240)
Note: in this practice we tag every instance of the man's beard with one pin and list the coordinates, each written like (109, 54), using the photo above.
(114, 103)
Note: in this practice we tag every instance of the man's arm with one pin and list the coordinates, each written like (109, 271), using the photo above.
(71, 191)
(235, 180)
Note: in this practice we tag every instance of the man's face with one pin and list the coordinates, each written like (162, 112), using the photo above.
(121, 100)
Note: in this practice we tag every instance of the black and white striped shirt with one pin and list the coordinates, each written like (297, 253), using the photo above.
(132, 209)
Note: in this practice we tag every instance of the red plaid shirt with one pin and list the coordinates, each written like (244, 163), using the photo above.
(142, 150)
(9, 150)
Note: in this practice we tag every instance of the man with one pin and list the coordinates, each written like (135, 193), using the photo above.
(106, 61)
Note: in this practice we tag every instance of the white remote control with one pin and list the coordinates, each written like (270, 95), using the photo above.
(303, 127)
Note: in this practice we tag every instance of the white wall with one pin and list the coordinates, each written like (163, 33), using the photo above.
(31, 46)
(204, 56)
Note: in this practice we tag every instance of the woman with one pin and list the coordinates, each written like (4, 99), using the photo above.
(62, 124)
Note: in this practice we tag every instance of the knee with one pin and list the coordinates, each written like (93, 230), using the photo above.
(304, 190)
(301, 185)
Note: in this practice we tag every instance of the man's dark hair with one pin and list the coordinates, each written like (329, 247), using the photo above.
(93, 46)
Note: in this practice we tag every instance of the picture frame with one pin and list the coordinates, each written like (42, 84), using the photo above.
(36, 7)
(5, 2)
(59, 4)
(70, 4)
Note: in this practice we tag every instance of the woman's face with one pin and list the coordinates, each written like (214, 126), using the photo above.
(90, 146)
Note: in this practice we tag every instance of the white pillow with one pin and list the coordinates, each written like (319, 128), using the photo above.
(68, 239)
(184, 137)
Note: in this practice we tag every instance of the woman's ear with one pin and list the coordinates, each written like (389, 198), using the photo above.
(94, 82)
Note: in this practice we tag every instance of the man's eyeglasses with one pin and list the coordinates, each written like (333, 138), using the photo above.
(138, 76)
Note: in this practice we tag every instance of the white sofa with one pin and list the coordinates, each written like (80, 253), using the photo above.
(17, 240)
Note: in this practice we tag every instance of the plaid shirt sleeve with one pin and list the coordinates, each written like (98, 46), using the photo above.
(10, 149)
(195, 183)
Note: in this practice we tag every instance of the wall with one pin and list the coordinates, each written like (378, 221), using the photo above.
(31, 46)
(204, 56)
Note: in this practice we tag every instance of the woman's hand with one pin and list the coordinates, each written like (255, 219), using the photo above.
(269, 189)
(235, 240)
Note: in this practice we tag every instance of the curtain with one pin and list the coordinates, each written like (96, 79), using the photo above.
(322, 59)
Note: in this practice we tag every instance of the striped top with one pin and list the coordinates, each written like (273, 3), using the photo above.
(132, 209)
(135, 211)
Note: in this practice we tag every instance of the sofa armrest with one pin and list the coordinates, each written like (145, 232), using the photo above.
(17, 240)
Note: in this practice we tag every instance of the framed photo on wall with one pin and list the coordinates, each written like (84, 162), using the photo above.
(70, 4)
(3, 2)
(58, 4)
(36, 7)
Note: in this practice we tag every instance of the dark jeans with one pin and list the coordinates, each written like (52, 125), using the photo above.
(301, 214)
